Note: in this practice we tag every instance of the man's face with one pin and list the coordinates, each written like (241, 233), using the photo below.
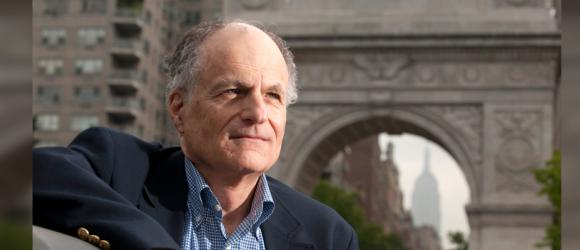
(234, 120)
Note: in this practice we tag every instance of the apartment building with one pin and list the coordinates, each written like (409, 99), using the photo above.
(100, 63)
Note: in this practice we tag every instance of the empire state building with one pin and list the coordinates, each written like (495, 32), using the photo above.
(425, 208)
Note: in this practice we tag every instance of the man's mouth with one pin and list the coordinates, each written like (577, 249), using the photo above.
(248, 137)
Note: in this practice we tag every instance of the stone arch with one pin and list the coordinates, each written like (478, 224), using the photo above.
(313, 148)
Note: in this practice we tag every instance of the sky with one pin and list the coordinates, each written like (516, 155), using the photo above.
(453, 190)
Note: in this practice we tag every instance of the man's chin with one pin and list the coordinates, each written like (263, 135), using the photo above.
(252, 163)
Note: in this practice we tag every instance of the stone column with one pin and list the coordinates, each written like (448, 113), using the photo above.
(511, 214)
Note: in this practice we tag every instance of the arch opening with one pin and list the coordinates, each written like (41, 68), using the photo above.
(313, 149)
(336, 132)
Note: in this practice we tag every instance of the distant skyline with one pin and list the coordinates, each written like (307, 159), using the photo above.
(454, 192)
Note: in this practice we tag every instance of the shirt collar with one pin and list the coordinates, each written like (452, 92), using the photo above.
(201, 197)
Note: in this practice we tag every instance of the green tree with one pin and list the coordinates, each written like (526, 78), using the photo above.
(458, 240)
(370, 235)
(15, 235)
(549, 178)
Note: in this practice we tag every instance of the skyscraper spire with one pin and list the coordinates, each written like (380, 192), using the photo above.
(427, 159)
(426, 208)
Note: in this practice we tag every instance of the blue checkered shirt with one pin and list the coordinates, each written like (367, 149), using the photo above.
(203, 219)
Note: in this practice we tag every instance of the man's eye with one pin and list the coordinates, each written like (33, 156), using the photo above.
(274, 95)
(234, 91)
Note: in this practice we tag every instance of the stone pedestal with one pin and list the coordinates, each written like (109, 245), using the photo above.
(507, 227)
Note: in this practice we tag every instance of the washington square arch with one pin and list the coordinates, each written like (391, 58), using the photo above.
(478, 77)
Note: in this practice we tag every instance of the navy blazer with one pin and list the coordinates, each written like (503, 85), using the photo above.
(133, 194)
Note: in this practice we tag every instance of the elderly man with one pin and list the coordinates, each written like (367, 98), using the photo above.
(231, 85)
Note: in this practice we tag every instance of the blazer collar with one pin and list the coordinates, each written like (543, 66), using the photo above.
(280, 230)
(165, 191)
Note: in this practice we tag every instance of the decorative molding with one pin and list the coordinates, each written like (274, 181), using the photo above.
(521, 3)
(299, 118)
(305, 115)
(338, 73)
(325, 74)
(425, 75)
(381, 66)
(467, 120)
(471, 74)
(519, 135)
(516, 155)
(392, 70)
(499, 74)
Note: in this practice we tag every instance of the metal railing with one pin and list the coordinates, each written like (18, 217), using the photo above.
(127, 74)
(128, 44)
(129, 12)
(124, 102)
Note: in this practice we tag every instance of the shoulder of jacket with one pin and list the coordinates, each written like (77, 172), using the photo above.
(301, 205)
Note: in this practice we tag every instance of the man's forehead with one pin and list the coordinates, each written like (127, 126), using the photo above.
(242, 27)
(240, 43)
(237, 35)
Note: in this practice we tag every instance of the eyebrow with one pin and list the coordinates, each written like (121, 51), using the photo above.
(226, 82)
(276, 87)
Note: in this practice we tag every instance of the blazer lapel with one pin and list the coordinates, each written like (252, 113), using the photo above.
(165, 191)
(280, 229)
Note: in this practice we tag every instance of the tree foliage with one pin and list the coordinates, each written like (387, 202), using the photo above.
(458, 240)
(370, 235)
(549, 178)
(15, 235)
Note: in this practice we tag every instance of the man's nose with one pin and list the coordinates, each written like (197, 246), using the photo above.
(254, 110)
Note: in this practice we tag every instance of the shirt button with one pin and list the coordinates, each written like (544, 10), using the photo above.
(228, 247)
(197, 218)
(218, 208)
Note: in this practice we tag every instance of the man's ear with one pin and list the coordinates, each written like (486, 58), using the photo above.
(176, 105)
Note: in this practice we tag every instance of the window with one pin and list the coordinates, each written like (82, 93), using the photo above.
(50, 66)
(190, 17)
(94, 6)
(159, 118)
(90, 37)
(166, 34)
(53, 37)
(130, 4)
(147, 17)
(56, 7)
(144, 76)
(140, 130)
(142, 104)
(88, 66)
(48, 94)
(146, 47)
(86, 94)
(82, 122)
(169, 12)
(46, 122)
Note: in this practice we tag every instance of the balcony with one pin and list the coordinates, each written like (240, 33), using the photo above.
(125, 82)
(122, 110)
(130, 50)
(128, 20)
